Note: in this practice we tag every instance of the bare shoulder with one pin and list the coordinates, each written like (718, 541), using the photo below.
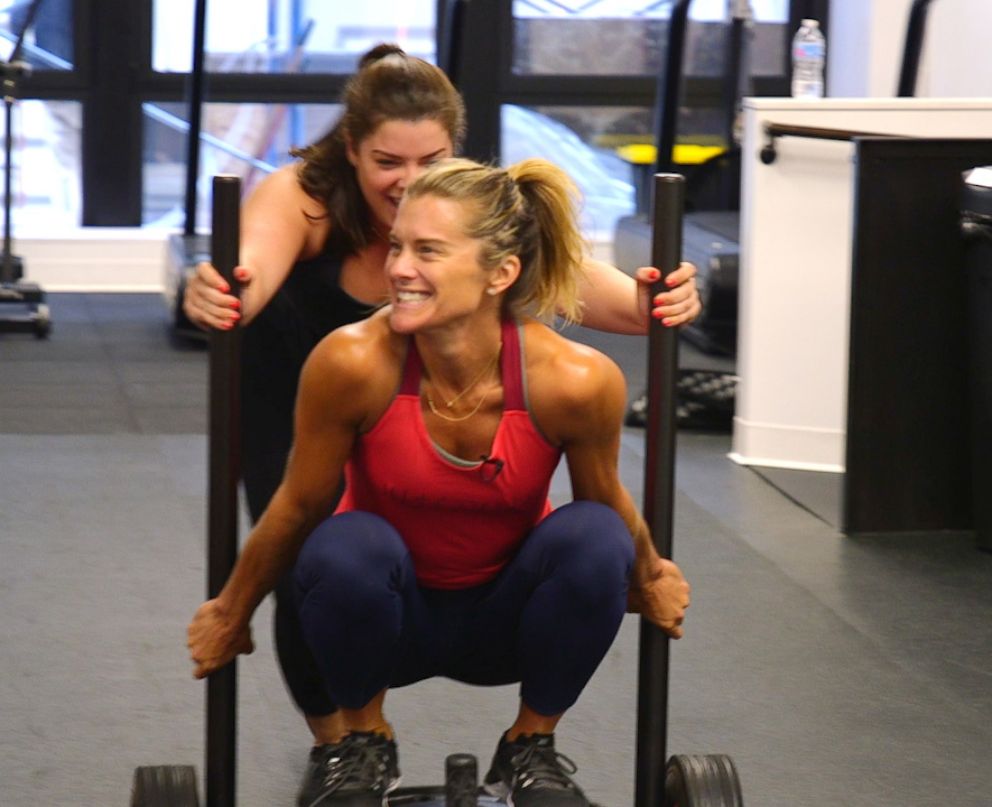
(283, 185)
(571, 386)
(278, 208)
(359, 349)
(356, 368)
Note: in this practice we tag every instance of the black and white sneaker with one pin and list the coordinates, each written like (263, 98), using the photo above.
(528, 772)
(359, 771)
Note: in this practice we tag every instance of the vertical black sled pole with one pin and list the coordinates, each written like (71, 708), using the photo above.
(659, 493)
(225, 470)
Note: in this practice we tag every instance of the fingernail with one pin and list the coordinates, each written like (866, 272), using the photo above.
(235, 316)
(240, 274)
(655, 274)
(225, 287)
(657, 314)
(670, 281)
(227, 325)
(236, 304)
(658, 300)
(667, 323)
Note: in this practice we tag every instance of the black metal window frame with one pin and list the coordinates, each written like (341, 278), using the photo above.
(113, 77)
(489, 61)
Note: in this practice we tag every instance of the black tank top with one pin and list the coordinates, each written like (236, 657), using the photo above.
(308, 306)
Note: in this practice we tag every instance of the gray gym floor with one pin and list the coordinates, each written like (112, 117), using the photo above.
(834, 671)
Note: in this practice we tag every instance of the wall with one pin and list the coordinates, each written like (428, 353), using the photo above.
(866, 42)
(959, 59)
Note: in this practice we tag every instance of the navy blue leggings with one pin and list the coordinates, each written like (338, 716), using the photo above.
(547, 620)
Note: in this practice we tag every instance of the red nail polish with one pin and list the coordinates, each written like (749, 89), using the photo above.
(670, 281)
(667, 323)
(236, 304)
(657, 314)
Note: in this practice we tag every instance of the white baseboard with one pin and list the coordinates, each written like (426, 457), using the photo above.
(774, 445)
(95, 259)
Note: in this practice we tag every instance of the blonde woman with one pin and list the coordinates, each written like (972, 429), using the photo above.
(447, 413)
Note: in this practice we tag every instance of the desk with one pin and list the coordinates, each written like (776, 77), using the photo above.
(795, 272)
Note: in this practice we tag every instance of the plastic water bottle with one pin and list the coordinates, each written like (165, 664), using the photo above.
(808, 51)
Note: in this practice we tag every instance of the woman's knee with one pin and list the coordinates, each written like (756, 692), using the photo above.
(349, 547)
(590, 538)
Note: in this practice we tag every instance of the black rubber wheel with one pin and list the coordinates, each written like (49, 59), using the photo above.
(165, 786)
(708, 780)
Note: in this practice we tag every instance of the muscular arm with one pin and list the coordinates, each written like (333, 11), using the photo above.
(280, 225)
(334, 399)
(587, 400)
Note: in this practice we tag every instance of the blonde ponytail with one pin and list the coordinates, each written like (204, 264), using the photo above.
(552, 197)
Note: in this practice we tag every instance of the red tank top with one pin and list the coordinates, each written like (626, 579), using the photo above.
(461, 520)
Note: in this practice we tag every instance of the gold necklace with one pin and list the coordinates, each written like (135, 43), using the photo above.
(453, 401)
(440, 414)
(475, 381)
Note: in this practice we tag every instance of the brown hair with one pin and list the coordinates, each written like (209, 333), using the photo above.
(388, 85)
(527, 210)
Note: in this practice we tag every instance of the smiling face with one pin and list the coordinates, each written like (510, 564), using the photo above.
(391, 157)
(433, 267)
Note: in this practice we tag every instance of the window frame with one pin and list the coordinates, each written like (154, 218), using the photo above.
(113, 77)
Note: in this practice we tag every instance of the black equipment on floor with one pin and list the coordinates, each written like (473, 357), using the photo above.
(704, 401)
(30, 314)
(685, 780)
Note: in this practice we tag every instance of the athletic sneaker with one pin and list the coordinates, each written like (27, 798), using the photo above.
(359, 771)
(529, 773)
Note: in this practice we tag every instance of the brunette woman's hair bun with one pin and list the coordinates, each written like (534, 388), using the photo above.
(380, 51)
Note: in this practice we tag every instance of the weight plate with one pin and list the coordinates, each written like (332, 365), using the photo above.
(708, 780)
(165, 786)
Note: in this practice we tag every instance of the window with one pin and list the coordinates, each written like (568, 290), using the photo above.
(116, 72)
(288, 36)
(45, 188)
(247, 140)
(47, 44)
